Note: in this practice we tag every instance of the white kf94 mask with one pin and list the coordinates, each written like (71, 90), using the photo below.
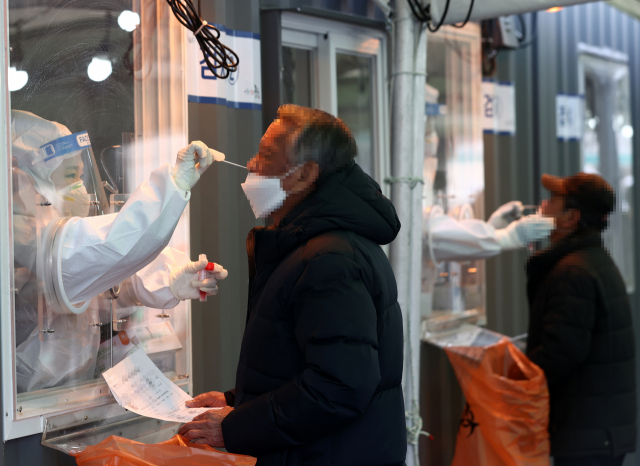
(265, 193)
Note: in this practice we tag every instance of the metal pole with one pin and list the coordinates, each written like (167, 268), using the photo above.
(111, 331)
(413, 337)
(408, 82)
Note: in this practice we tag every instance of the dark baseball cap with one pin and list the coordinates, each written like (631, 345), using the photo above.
(590, 193)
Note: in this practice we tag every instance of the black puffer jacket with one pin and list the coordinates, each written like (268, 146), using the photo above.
(320, 369)
(581, 335)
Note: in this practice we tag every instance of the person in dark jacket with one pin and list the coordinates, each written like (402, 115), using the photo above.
(580, 329)
(320, 371)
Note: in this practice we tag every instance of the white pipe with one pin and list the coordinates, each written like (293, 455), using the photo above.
(384, 6)
(488, 9)
(408, 83)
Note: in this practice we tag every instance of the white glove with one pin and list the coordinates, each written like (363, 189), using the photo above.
(506, 214)
(192, 162)
(185, 284)
(524, 231)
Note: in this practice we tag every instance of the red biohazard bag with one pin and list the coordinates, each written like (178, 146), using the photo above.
(177, 451)
(507, 413)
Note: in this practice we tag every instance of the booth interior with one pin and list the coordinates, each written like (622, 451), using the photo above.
(127, 81)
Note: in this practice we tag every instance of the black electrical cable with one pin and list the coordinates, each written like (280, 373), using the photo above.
(466, 20)
(441, 22)
(420, 13)
(534, 31)
(423, 14)
(221, 60)
(523, 26)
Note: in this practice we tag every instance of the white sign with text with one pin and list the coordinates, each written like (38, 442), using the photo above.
(243, 89)
(499, 107)
(569, 117)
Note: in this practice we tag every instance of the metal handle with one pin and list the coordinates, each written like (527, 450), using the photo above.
(115, 292)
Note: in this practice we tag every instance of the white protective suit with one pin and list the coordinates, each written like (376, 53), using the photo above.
(97, 252)
(458, 240)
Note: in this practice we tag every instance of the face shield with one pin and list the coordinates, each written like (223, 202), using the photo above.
(69, 176)
(60, 165)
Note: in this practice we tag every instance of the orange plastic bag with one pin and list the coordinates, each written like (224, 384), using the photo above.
(177, 451)
(507, 414)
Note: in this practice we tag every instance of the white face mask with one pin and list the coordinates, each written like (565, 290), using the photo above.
(265, 193)
(76, 199)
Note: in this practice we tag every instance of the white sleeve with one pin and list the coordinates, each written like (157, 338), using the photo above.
(151, 286)
(454, 240)
(100, 252)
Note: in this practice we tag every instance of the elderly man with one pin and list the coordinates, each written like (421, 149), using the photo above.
(580, 330)
(319, 377)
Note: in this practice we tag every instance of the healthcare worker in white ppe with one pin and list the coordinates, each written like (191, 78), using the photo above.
(450, 239)
(83, 251)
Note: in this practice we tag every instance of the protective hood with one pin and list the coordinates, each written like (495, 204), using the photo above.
(41, 147)
(346, 200)
(28, 134)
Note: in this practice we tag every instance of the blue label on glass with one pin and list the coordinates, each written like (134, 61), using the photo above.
(64, 145)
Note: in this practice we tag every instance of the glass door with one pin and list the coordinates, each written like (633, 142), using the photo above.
(340, 69)
(607, 149)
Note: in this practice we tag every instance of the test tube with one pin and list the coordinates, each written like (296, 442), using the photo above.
(203, 275)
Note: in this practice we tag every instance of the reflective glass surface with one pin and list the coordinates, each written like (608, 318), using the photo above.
(453, 172)
(607, 149)
(96, 91)
(356, 104)
(296, 76)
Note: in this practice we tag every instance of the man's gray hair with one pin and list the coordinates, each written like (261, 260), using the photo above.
(319, 137)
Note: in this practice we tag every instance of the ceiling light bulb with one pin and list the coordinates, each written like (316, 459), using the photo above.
(99, 69)
(627, 131)
(128, 20)
(17, 79)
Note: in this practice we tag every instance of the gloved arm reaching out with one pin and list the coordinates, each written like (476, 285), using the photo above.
(505, 214)
(192, 162)
(525, 231)
(186, 282)
(169, 279)
(455, 240)
(96, 255)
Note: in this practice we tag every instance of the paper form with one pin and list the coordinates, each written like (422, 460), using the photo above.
(139, 386)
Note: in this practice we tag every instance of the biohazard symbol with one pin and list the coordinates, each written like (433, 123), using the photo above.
(468, 420)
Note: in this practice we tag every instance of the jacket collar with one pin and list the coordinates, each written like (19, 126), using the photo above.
(272, 244)
(544, 261)
(348, 199)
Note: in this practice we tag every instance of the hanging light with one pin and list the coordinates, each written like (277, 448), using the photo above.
(554, 9)
(99, 69)
(627, 131)
(17, 79)
(128, 20)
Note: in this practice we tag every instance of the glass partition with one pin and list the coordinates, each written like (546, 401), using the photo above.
(97, 103)
(355, 84)
(607, 149)
(453, 292)
(297, 76)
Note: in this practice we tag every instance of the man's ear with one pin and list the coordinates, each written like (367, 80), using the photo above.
(573, 219)
(306, 178)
